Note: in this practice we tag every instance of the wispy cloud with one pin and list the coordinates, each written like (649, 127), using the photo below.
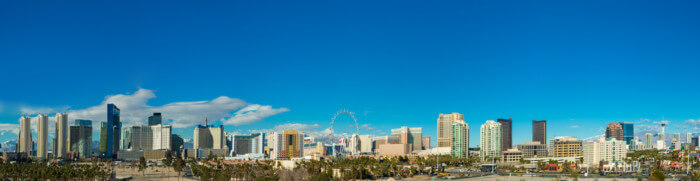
(661, 122)
(693, 123)
(12, 128)
(643, 121)
(574, 126)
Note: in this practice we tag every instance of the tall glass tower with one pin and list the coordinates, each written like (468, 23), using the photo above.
(627, 131)
(113, 131)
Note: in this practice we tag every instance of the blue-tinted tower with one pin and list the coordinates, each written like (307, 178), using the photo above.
(627, 131)
(114, 127)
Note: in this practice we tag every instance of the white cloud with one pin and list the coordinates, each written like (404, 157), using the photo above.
(134, 110)
(13, 128)
(662, 122)
(36, 110)
(297, 126)
(643, 121)
(574, 126)
(695, 124)
(253, 113)
(647, 127)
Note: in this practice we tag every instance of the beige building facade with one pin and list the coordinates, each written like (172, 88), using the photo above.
(444, 128)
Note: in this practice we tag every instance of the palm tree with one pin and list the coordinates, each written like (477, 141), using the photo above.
(142, 165)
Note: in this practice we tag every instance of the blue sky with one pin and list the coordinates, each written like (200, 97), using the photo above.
(577, 64)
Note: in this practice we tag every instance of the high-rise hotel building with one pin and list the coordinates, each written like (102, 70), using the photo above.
(490, 139)
(110, 134)
(42, 132)
(614, 130)
(411, 136)
(61, 135)
(539, 131)
(506, 133)
(627, 132)
(80, 138)
(209, 137)
(287, 144)
(25, 135)
(460, 140)
(444, 127)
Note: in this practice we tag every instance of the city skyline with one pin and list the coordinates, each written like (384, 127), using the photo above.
(309, 129)
(252, 66)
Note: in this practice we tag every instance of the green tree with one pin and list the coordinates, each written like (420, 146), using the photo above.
(179, 166)
(142, 165)
(657, 175)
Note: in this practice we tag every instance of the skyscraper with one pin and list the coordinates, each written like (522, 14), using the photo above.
(80, 138)
(42, 132)
(157, 137)
(490, 139)
(444, 127)
(247, 144)
(614, 130)
(61, 135)
(539, 131)
(288, 144)
(627, 131)
(688, 137)
(112, 131)
(156, 119)
(460, 140)
(506, 133)
(209, 136)
(25, 135)
(649, 141)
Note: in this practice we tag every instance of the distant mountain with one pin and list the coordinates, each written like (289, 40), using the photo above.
(9, 145)
(188, 143)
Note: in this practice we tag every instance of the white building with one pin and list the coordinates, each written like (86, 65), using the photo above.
(157, 137)
(209, 137)
(25, 135)
(649, 142)
(688, 137)
(287, 144)
(42, 136)
(490, 139)
(444, 128)
(604, 150)
(253, 144)
(61, 135)
(360, 144)
(460, 140)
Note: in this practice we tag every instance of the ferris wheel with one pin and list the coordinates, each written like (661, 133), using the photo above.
(341, 112)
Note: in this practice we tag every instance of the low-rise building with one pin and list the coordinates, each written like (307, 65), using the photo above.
(565, 146)
(512, 156)
(394, 149)
(533, 149)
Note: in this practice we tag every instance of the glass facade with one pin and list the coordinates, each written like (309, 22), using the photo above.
(156, 119)
(627, 132)
(112, 132)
